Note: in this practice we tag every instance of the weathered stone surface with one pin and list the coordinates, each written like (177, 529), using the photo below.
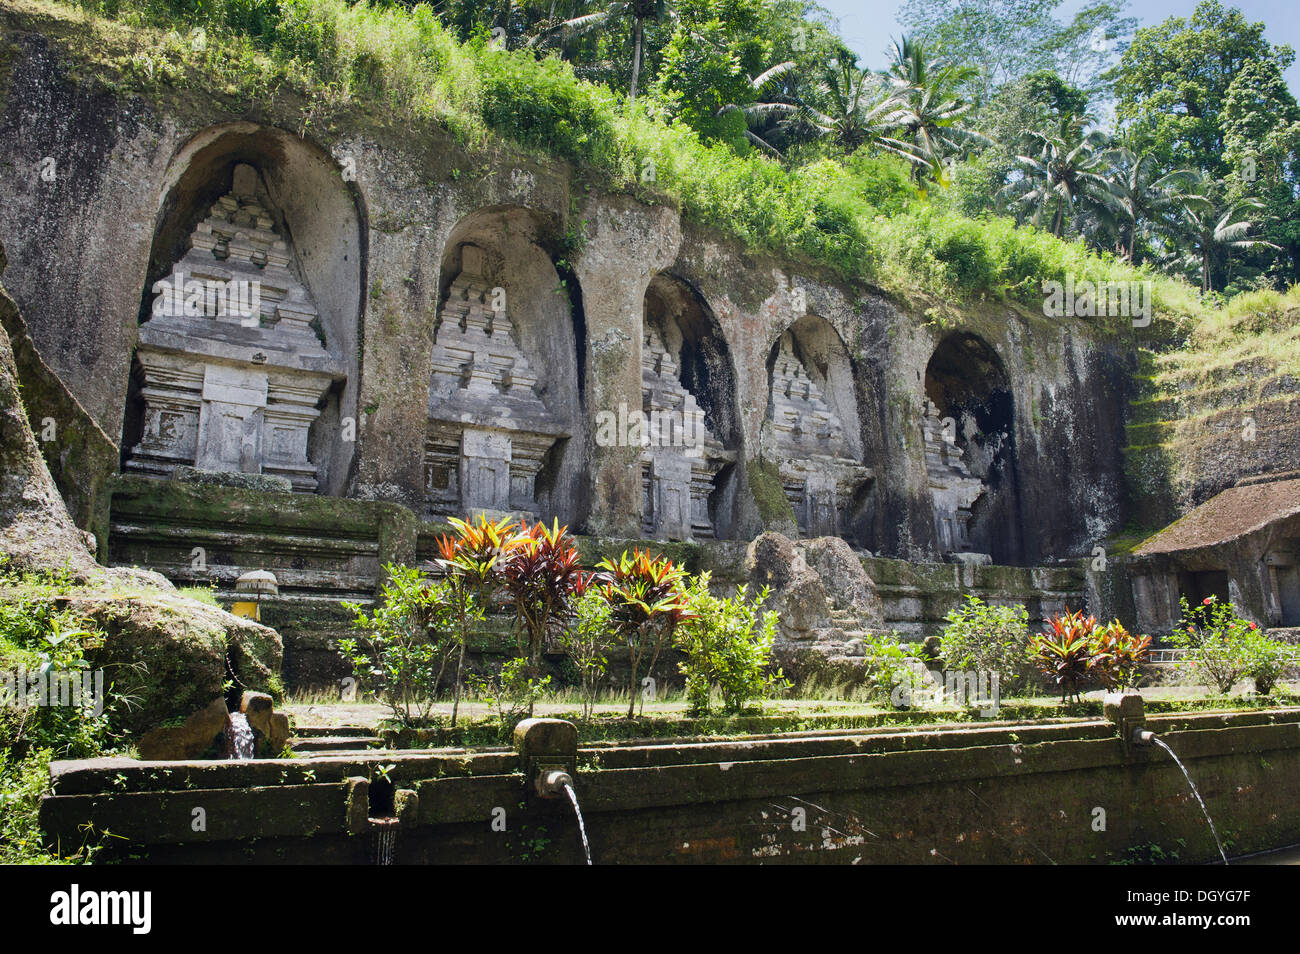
(821, 594)
(280, 733)
(35, 527)
(256, 707)
(190, 740)
(540, 737)
(171, 654)
(265, 483)
(1242, 545)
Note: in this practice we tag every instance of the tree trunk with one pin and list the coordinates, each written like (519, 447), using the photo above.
(637, 31)
(460, 664)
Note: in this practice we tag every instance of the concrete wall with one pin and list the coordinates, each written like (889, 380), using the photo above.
(1029, 794)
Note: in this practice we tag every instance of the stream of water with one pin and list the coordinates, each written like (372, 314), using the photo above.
(573, 799)
(1199, 800)
(239, 736)
(385, 839)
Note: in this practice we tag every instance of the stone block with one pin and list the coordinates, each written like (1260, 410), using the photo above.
(187, 741)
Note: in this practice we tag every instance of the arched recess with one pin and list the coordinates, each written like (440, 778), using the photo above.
(816, 431)
(971, 455)
(505, 397)
(692, 433)
(223, 390)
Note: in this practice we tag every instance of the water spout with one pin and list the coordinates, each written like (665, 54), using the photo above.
(385, 839)
(550, 784)
(1143, 736)
(239, 737)
(582, 828)
(1160, 742)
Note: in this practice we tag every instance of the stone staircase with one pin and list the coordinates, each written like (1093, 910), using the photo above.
(319, 740)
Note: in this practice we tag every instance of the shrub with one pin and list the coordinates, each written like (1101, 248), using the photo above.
(895, 673)
(36, 636)
(647, 600)
(472, 561)
(1067, 654)
(542, 572)
(587, 641)
(727, 645)
(406, 642)
(1120, 655)
(513, 692)
(1217, 642)
(984, 638)
(1267, 660)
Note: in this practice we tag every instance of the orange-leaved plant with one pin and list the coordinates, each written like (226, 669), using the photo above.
(647, 599)
(542, 572)
(471, 559)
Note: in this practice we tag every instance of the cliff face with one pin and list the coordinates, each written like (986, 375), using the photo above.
(111, 179)
(35, 527)
(1223, 408)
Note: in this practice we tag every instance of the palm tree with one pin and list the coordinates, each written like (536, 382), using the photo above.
(1143, 193)
(928, 113)
(637, 11)
(1208, 229)
(756, 112)
(856, 112)
(1069, 173)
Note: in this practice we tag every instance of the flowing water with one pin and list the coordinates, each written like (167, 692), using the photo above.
(239, 736)
(385, 839)
(1192, 785)
(573, 799)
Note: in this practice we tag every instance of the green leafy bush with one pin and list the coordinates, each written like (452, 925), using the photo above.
(895, 672)
(984, 638)
(587, 640)
(406, 642)
(1218, 642)
(1267, 660)
(512, 691)
(37, 637)
(727, 642)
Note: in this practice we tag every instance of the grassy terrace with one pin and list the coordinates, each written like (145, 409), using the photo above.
(669, 719)
(320, 63)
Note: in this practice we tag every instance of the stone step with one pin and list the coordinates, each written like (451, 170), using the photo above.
(317, 731)
(341, 743)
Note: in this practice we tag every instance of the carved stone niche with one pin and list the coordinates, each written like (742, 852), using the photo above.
(489, 432)
(231, 369)
(681, 458)
(952, 488)
(818, 473)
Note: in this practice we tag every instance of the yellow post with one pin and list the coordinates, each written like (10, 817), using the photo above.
(248, 611)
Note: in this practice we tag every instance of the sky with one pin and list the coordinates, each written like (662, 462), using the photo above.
(867, 25)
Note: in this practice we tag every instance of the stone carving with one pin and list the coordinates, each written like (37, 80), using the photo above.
(681, 458)
(489, 432)
(231, 370)
(952, 488)
(817, 471)
(822, 595)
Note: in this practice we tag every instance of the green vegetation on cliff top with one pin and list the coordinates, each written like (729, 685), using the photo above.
(861, 218)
